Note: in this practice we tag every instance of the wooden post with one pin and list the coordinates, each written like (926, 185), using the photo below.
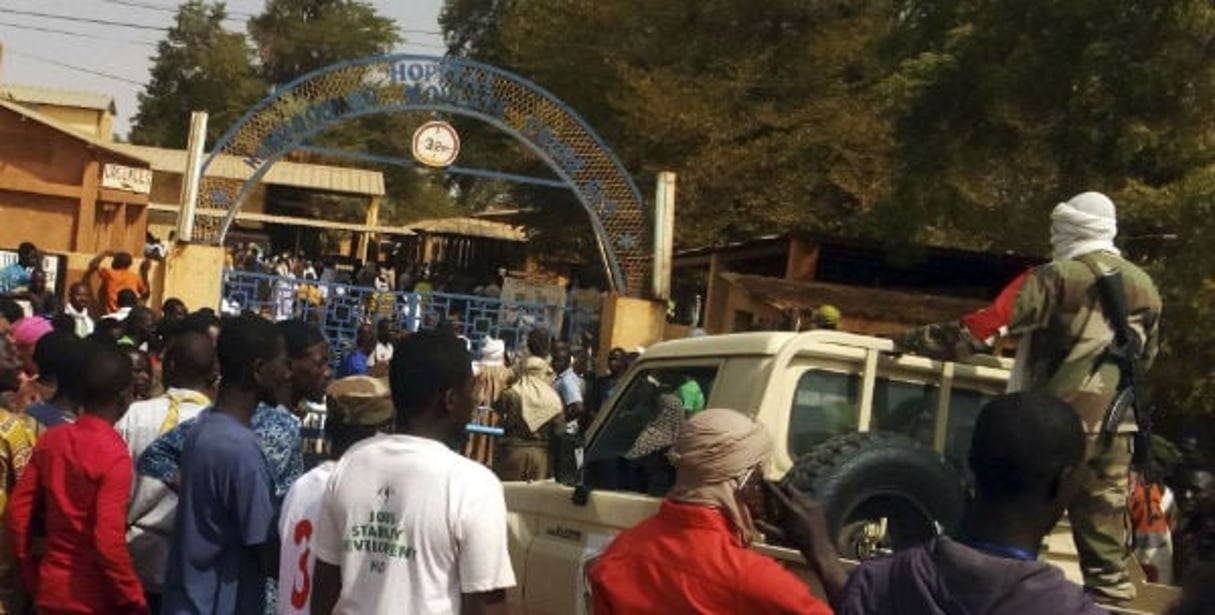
(373, 220)
(86, 215)
(711, 319)
(118, 231)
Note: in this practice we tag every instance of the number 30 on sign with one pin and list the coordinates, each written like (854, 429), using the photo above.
(436, 144)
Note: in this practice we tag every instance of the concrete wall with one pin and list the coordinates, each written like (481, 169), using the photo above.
(194, 274)
(629, 323)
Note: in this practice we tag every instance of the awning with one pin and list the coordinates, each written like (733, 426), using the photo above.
(874, 304)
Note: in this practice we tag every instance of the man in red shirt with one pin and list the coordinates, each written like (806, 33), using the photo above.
(77, 483)
(692, 556)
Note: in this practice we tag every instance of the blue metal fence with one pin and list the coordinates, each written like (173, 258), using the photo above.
(339, 309)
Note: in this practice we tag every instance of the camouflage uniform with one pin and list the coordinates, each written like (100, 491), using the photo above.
(1056, 306)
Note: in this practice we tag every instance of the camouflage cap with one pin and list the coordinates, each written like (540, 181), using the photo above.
(360, 401)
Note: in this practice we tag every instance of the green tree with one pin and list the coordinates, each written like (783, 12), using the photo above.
(294, 37)
(910, 122)
(1009, 107)
(198, 67)
(727, 97)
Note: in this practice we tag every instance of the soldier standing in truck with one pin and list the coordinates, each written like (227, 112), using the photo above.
(1064, 349)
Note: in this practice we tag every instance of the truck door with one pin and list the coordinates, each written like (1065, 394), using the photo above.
(626, 472)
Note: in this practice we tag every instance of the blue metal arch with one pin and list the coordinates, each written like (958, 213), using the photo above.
(608, 244)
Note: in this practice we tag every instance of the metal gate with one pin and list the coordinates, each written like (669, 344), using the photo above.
(339, 309)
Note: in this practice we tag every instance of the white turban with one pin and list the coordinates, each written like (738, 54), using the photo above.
(1086, 223)
(493, 351)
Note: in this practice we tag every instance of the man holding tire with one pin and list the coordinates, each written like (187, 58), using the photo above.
(1067, 349)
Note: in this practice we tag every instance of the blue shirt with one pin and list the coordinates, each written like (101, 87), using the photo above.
(13, 277)
(276, 429)
(225, 510)
(355, 364)
(47, 414)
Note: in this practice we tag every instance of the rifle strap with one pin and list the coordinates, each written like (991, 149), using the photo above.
(1094, 267)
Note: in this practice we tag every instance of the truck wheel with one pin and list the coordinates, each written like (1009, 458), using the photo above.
(880, 492)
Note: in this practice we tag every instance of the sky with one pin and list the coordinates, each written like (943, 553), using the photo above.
(116, 59)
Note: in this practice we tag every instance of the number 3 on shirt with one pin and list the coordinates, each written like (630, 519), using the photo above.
(301, 536)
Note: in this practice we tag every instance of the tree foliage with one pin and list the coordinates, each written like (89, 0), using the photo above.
(294, 37)
(948, 122)
(199, 66)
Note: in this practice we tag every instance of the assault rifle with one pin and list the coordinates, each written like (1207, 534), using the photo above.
(1125, 352)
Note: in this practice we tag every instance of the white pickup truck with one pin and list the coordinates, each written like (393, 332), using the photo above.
(880, 439)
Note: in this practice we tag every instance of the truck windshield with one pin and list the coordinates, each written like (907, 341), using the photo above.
(629, 451)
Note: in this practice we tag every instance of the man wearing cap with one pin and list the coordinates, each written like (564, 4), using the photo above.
(693, 556)
(358, 408)
(1065, 336)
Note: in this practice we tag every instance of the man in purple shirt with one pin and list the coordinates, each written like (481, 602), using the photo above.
(1026, 455)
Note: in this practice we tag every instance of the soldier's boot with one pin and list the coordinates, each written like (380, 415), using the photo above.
(1098, 515)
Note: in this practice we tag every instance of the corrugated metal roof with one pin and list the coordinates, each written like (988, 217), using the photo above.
(38, 95)
(109, 146)
(294, 174)
(246, 216)
(470, 227)
(876, 304)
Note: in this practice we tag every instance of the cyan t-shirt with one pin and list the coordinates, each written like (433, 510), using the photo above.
(13, 278)
(225, 510)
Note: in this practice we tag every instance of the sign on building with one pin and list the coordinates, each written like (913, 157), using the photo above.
(130, 179)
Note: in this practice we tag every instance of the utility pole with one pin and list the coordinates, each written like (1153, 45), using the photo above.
(664, 235)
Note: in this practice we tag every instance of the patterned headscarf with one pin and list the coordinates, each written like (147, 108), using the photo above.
(712, 455)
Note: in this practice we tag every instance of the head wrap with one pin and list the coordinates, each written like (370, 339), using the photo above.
(539, 402)
(1085, 223)
(29, 330)
(712, 454)
(493, 351)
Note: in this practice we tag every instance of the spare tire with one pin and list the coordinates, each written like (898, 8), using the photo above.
(881, 492)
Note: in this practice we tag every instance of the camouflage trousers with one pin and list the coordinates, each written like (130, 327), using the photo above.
(1099, 520)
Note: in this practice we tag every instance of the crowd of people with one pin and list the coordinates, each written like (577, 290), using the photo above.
(154, 462)
(395, 276)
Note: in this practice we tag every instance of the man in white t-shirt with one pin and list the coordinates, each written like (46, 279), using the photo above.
(385, 337)
(357, 408)
(407, 525)
(190, 372)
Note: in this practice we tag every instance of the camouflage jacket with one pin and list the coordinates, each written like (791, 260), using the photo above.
(1057, 306)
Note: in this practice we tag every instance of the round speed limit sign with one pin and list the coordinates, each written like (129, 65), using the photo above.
(436, 144)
